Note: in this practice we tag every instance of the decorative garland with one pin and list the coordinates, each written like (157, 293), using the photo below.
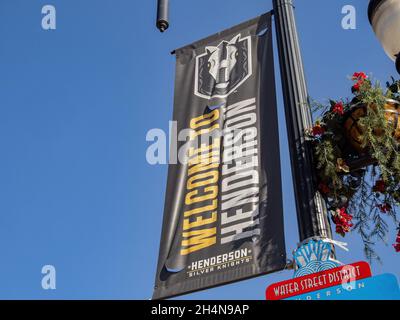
(357, 156)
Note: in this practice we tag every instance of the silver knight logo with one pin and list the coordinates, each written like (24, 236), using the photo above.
(222, 69)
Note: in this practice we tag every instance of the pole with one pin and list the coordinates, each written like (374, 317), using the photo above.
(162, 15)
(311, 210)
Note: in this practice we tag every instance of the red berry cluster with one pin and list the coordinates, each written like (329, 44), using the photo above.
(338, 108)
(385, 208)
(397, 244)
(359, 78)
(380, 186)
(343, 221)
(318, 130)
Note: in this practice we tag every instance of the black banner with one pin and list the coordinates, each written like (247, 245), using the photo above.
(223, 218)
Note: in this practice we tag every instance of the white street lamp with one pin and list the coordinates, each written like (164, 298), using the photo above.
(384, 16)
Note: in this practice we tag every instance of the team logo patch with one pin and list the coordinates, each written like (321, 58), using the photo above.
(223, 69)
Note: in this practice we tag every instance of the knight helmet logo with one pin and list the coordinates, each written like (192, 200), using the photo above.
(222, 69)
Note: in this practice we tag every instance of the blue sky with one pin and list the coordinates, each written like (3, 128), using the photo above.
(76, 103)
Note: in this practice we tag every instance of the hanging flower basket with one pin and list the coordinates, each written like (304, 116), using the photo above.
(357, 158)
(355, 132)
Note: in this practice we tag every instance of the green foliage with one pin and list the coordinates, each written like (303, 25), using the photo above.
(369, 193)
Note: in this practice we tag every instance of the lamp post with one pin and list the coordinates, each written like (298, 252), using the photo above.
(311, 210)
(384, 16)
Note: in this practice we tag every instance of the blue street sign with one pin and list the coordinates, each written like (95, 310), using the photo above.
(313, 257)
(382, 287)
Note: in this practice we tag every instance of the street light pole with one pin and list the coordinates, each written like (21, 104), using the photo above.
(311, 210)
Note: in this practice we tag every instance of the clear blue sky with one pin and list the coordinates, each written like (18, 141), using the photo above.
(76, 103)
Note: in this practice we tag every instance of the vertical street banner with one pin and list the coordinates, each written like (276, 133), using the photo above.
(223, 216)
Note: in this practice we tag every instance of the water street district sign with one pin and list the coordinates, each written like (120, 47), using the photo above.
(382, 287)
(317, 281)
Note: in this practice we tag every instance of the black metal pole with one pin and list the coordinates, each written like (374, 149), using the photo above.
(162, 15)
(311, 210)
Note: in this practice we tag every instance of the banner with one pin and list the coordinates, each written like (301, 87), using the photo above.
(223, 218)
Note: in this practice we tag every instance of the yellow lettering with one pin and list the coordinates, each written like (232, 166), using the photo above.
(198, 239)
(203, 131)
(199, 222)
(204, 120)
(211, 177)
(203, 166)
(191, 196)
(210, 207)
